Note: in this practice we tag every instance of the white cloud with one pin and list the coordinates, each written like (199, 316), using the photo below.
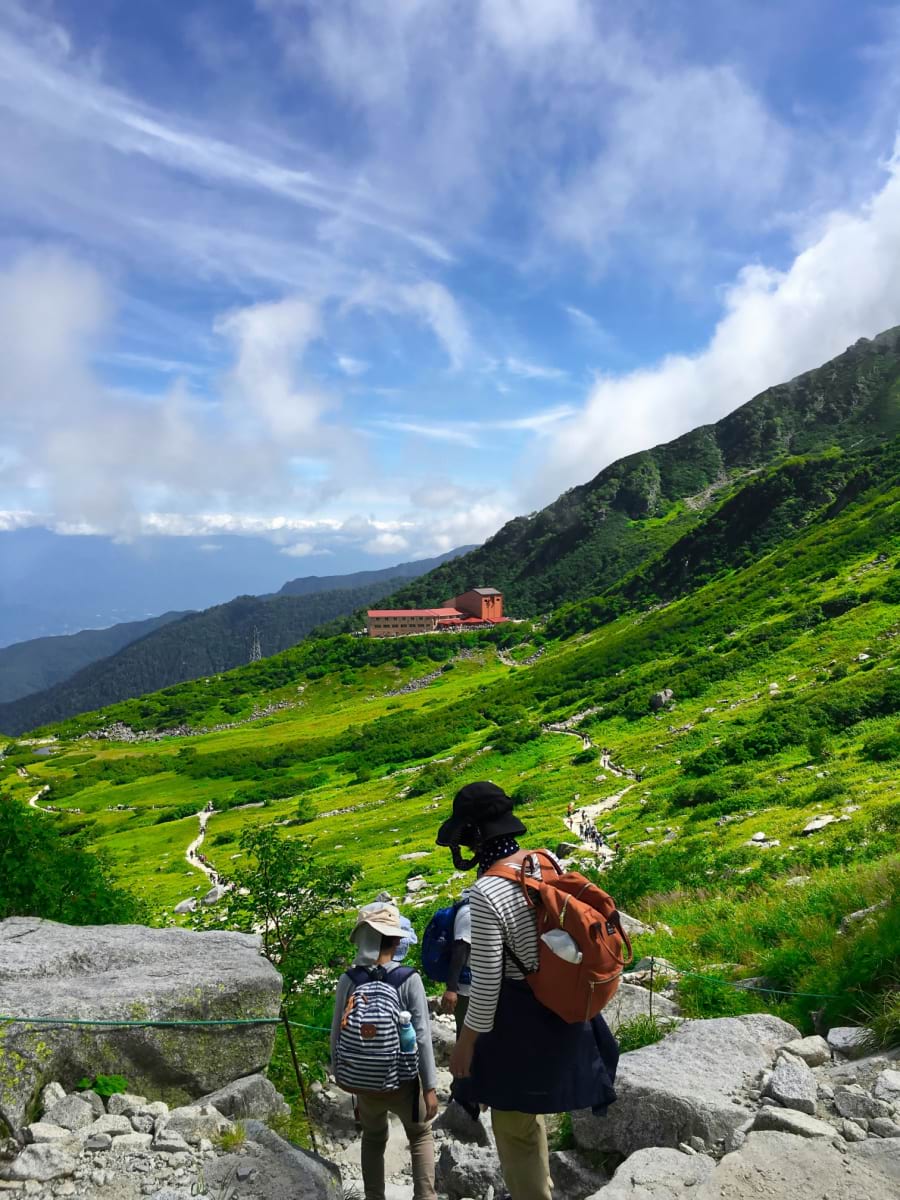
(89, 455)
(460, 436)
(844, 284)
(298, 550)
(529, 370)
(269, 342)
(351, 366)
(209, 547)
(386, 543)
(429, 302)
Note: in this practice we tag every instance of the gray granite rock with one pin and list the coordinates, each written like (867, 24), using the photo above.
(631, 1001)
(793, 1085)
(70, 1112)
(40, 1163)
(777, 1166)
(251, 1096)
(657, 1173)
(464, 1171)
(852, 1100)
(693, 1083)
(111, 971)
(813, 1050)
(123, 1104)
(788, 1120)
(573, 1177)
(848, 1040)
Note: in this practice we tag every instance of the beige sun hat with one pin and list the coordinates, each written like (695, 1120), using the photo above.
(383, 918)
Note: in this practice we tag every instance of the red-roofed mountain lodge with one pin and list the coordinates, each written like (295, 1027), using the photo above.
(478, 608)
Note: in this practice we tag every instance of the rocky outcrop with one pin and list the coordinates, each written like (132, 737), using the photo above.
(631, 1001)
(129, 973)
(162, 1154)
(694, 1083)
(657, 1174)
(776, 1164)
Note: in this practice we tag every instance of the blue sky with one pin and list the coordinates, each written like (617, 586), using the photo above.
(385, 274)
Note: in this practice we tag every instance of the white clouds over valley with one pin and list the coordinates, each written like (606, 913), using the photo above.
(382, 276)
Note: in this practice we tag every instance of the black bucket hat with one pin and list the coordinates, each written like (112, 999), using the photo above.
(481, 811)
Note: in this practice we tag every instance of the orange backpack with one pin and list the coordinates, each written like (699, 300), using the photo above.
(574, 991)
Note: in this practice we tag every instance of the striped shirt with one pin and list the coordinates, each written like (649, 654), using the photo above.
(501, 916)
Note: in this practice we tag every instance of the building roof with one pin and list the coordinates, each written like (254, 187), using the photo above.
(415, 612)
(486, 591)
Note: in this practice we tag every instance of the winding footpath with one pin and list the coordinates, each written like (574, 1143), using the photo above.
(33, 800)
(191, 854)
(590, 813)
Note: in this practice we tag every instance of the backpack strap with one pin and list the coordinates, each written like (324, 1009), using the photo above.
(396, 978)
(530, 862)
(399, 976)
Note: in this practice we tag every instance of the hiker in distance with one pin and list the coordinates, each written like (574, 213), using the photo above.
(381, 1049)
(547, 953)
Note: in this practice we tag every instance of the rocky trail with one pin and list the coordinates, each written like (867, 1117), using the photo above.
(733, 1108)
(192, 855)
(588, 815)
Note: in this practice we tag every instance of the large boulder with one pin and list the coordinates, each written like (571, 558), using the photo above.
(253, 1096)
(631, 1001)
(780, 1165)
(694, 1083)
(465, 1171)
(129, 972)
(657, 1174)
(279, 1170)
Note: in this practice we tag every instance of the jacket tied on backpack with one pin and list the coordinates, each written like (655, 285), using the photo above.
(366, 1047)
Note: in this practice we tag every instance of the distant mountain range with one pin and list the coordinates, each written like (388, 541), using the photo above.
(27, 667)
(595, 535)
(146, 656)
(53, 584)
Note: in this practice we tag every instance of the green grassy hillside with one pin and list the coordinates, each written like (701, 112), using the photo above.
(635, 509)
(780, 646)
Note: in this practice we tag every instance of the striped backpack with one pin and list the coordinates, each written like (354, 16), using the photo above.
(368, 1057)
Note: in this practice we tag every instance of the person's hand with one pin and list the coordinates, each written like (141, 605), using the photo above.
(461, 1058)
(448, 1002)
(431, 1104)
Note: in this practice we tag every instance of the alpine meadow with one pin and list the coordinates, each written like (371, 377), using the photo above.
(705, 655)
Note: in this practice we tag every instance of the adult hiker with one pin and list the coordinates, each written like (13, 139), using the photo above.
(381, 1049)
(445, 956)
(514, 1053)
(455, 999)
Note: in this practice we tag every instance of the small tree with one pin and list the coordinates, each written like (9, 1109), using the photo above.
(283, 891)
(43, 874)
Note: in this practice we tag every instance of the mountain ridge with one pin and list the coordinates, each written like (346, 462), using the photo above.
(597, 532)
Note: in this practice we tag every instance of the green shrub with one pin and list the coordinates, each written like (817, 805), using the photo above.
(883, 747)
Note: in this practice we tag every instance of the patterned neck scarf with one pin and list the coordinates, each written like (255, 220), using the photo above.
(494, 850)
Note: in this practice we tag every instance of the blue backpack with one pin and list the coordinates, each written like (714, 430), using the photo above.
(437, 945)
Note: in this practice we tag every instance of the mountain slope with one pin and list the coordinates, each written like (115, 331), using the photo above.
(27, 667)
(307, 584)
(205, 643)
(784, 668)
(593, 535)
(199, 644)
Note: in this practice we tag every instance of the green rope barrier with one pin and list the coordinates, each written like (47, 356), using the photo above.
(161, 1023)
(732, 983)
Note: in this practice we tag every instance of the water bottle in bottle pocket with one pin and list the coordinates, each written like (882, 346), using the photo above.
(407, 1033)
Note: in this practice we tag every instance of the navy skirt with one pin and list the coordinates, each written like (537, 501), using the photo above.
(534, 1062)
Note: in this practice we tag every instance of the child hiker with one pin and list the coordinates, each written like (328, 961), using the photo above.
(381, 1049)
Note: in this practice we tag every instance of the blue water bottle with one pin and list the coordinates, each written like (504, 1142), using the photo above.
(407, 1033)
